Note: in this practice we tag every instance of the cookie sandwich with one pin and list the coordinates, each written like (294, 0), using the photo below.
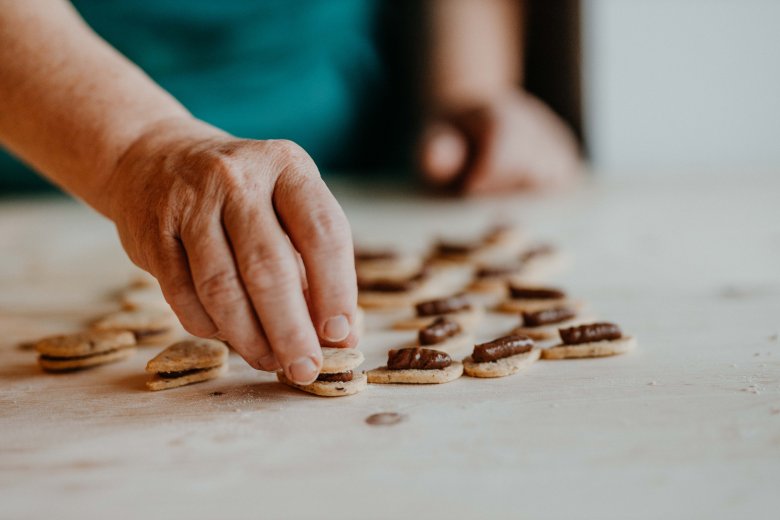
(84, 350)
(590, 340)
(187, 362)
(458, 308)
(529, 298)
(149, 326)
(393, 292)
(501, 357)
(417, 366)
(386, 263)
(338, 376)
(498, 244)
(543, 325)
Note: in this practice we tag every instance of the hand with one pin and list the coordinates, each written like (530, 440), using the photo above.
(246, 240)
(515, 142)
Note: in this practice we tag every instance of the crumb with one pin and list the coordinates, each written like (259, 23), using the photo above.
(775, 411)
(237, 410)
(733, 365)
(752, 389)
(774, 337)
(756, 354)
(652, 383)
(216, 394)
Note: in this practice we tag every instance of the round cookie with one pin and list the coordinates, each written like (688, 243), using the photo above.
(158, 382)
(501, 367)
(383, 375)
(84, 343)
(189, 354)
(150, 326)
(450, 345)
(329, 389)
(593, 349)
(337, 360)
(467, 319)
(548, 332)
(77, 363)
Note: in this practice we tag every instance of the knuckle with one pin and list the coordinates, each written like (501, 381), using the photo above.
(219, 289)
(267, 270)
(328, 230)
(290, 156)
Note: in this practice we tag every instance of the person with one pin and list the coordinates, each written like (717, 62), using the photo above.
(216, 195)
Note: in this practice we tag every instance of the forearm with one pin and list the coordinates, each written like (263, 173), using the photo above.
(473, 52)
(70, 105)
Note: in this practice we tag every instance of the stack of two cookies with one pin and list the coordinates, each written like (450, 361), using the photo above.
(338, 376)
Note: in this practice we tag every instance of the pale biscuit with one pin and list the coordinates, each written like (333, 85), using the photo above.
(468, 319)
(150, 326)
(84, 343)
(337, 360)
(329, 389)
(396, 300)
(93, 360)
(158, 382)
(499, 246)
(500, 367)
(594, 349)
(548, 332)
(402, 267)
(383, 375)
(511, 305)
(148, 297)
(189, 355)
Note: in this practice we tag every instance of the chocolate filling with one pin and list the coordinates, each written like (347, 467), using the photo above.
(367, 256)
(538, 250)
(590, 332)
(456, 248)
(438, 331)
(402, 285)
(417, 358)
(496, 271)
(501, 348)
(459, 302)
(181, 373)
(519, 292)
(547, 316)
(340, 377)
(147, 333)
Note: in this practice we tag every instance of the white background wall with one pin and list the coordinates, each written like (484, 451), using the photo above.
(682, 85)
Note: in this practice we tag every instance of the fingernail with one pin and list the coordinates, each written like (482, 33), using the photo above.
(335, 329)
(303, 371)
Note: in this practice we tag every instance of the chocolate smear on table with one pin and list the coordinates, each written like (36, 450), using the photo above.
(438, 331)
(458, 302)
(589, 333)
(502, 347)
(547, 316)
(523, 292)
(385, 419)
(417, 358)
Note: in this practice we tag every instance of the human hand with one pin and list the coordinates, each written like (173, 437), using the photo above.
(245, 238)
(514, 142)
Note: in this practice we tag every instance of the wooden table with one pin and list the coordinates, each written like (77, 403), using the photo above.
(688, 426)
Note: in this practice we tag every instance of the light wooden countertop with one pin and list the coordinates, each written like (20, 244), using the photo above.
(688, 426)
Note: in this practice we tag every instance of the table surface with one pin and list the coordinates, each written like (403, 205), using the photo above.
(687, 426)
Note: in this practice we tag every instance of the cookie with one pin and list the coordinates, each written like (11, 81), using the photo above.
(149, 297)
(497, 245)
(394, 266)
(160, 382)
(549, 332)
(84, 349)
(398, 293)
(336, 360)
(150, 326)
(329, 388)
(468, 319)
(187, 362)
(383, 375)
(453, 345)
(500, 367)
(337, 376)
(591, 349)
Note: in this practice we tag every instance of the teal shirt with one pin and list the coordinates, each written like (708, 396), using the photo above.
(295, 69)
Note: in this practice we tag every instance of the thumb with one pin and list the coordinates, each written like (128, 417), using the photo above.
(443, 153)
